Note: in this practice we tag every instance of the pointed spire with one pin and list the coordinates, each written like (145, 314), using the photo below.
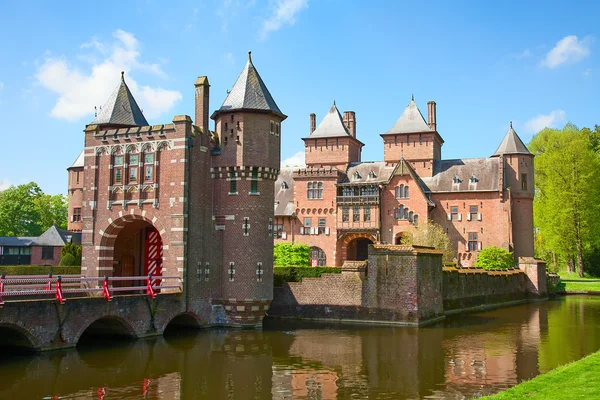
(249, 93)
(411, 120)
(120, 109)
(511, 144)
(412, 97)
(332, 125)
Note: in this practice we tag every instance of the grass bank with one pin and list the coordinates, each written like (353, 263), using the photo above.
(573, 283)
(577, 380)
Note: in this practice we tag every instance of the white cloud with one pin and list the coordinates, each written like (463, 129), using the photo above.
(542, 121)
(79, 91)
(568, 50)
(4, 184)
(297, 160)
(284, 14)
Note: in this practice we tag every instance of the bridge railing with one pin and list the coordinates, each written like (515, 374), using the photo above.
(25, 287)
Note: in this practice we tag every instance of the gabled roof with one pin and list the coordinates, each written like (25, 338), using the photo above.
(57, 237)
(464, 175)
(121, 109)
(284, 193)
(249, 93)
(511, 144)
(79, 161)
(411, 121)
(332, 125)
(367, 172)
(404, 168)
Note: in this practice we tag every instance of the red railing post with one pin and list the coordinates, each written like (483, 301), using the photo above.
(59, 292)
(49, 285)
(149, 289)
(2, 278)
(105, 289)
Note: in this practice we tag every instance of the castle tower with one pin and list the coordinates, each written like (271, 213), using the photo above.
(415, 140)
(245, 166)
(516, 178)
(75, 186)
(333, 142)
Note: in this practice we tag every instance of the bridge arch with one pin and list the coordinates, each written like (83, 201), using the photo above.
(353, 246)
(105, 327)
(16, 336)
(132, 245)
(182, 320)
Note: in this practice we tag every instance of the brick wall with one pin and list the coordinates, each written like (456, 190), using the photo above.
(75, 191)
(36, 256)
(336, 152)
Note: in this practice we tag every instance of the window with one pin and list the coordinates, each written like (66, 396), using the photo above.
(473, 211)
(410, 216)
(416, 220)
(118, 167)
(406, 191)
(454, 213)
(345, 214)
(307, 229)
(233, 186)
(315, 190)
(132, 174)
(349, 191)
(272, 128)
(278, 228)
(400, 191)
(47, 253)
(367, 213)
(307, 221)
(524, 181)
(254, 181)
(356, 214)
(134, 159)
(399, 212)
(246, 226)
(317, 257)
(149, 167)
(322, 223)
(369, 191)
(77, 214)
(133, 167)
(472, 244)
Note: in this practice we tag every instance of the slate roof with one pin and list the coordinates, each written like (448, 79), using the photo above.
(57, 237)
(411, 121)
(16, 241)
(79, 161)
(483, 170)
(121, 109)
(284, 193)
(332, 125)
(249, 93)
(362, 172)
(511, 144)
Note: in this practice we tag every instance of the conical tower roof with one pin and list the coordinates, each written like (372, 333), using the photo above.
(332, 125)
(249, 93)
(121, 109)
(511, 144)
(411, 121)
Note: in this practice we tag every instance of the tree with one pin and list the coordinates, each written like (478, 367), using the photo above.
(26, 211)
(70, 255)
(567, 180)
(291, 255)
(491, 258)
(432, 235)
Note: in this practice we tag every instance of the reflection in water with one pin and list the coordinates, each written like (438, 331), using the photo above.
(464, 356)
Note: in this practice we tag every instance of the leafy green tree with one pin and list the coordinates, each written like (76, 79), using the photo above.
(491, 258)
(288, 255)
(432, 235)
(567, 180)
(26, 211)
(71, 254)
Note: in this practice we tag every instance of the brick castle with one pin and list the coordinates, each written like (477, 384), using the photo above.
(179, 200)
(339, 205)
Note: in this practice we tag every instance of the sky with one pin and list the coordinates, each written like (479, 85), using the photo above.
(485, 64)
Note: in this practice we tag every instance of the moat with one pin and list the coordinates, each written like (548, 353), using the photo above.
(462, 357)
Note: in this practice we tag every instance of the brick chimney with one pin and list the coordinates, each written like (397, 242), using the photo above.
(202, 98)
(313, 122)
(431, 118)
(350, 122)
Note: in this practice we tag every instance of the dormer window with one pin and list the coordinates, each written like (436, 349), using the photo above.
(473, 179)
(456, 180)
(356, 175)
(372, 174)
(284, 185)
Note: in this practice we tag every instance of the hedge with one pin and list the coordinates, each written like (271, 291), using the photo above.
(295, 274)
(38, 270)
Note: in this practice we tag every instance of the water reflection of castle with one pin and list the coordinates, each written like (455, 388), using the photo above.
(469, 355)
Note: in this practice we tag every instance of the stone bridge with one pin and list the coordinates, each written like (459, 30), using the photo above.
(47, 324)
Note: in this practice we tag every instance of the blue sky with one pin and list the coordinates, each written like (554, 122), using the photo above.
(484, 63)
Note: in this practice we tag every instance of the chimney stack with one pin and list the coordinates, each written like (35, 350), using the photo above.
(202, 98)
(350, 122)
(313, 122)
(431, 117)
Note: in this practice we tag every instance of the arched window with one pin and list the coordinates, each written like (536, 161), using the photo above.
(410, 216)
(400, 191)
(317, 257)
(406, 191)
(406, 213)
(416, 220)
(401, 211)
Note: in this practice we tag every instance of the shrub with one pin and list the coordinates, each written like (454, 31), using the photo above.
(295, 274)
(67, 260)
(432, 235)
(73, 250)
(493, 257)
(38, 270)
(291, 254)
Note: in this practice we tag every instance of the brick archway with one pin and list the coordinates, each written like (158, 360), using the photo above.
(106, 255)
(347, 239)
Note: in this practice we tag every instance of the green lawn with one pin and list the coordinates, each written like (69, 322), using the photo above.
(573, 283)
(577, 380)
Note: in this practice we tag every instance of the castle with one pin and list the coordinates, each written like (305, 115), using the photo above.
(179, 200)
(339, 205)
